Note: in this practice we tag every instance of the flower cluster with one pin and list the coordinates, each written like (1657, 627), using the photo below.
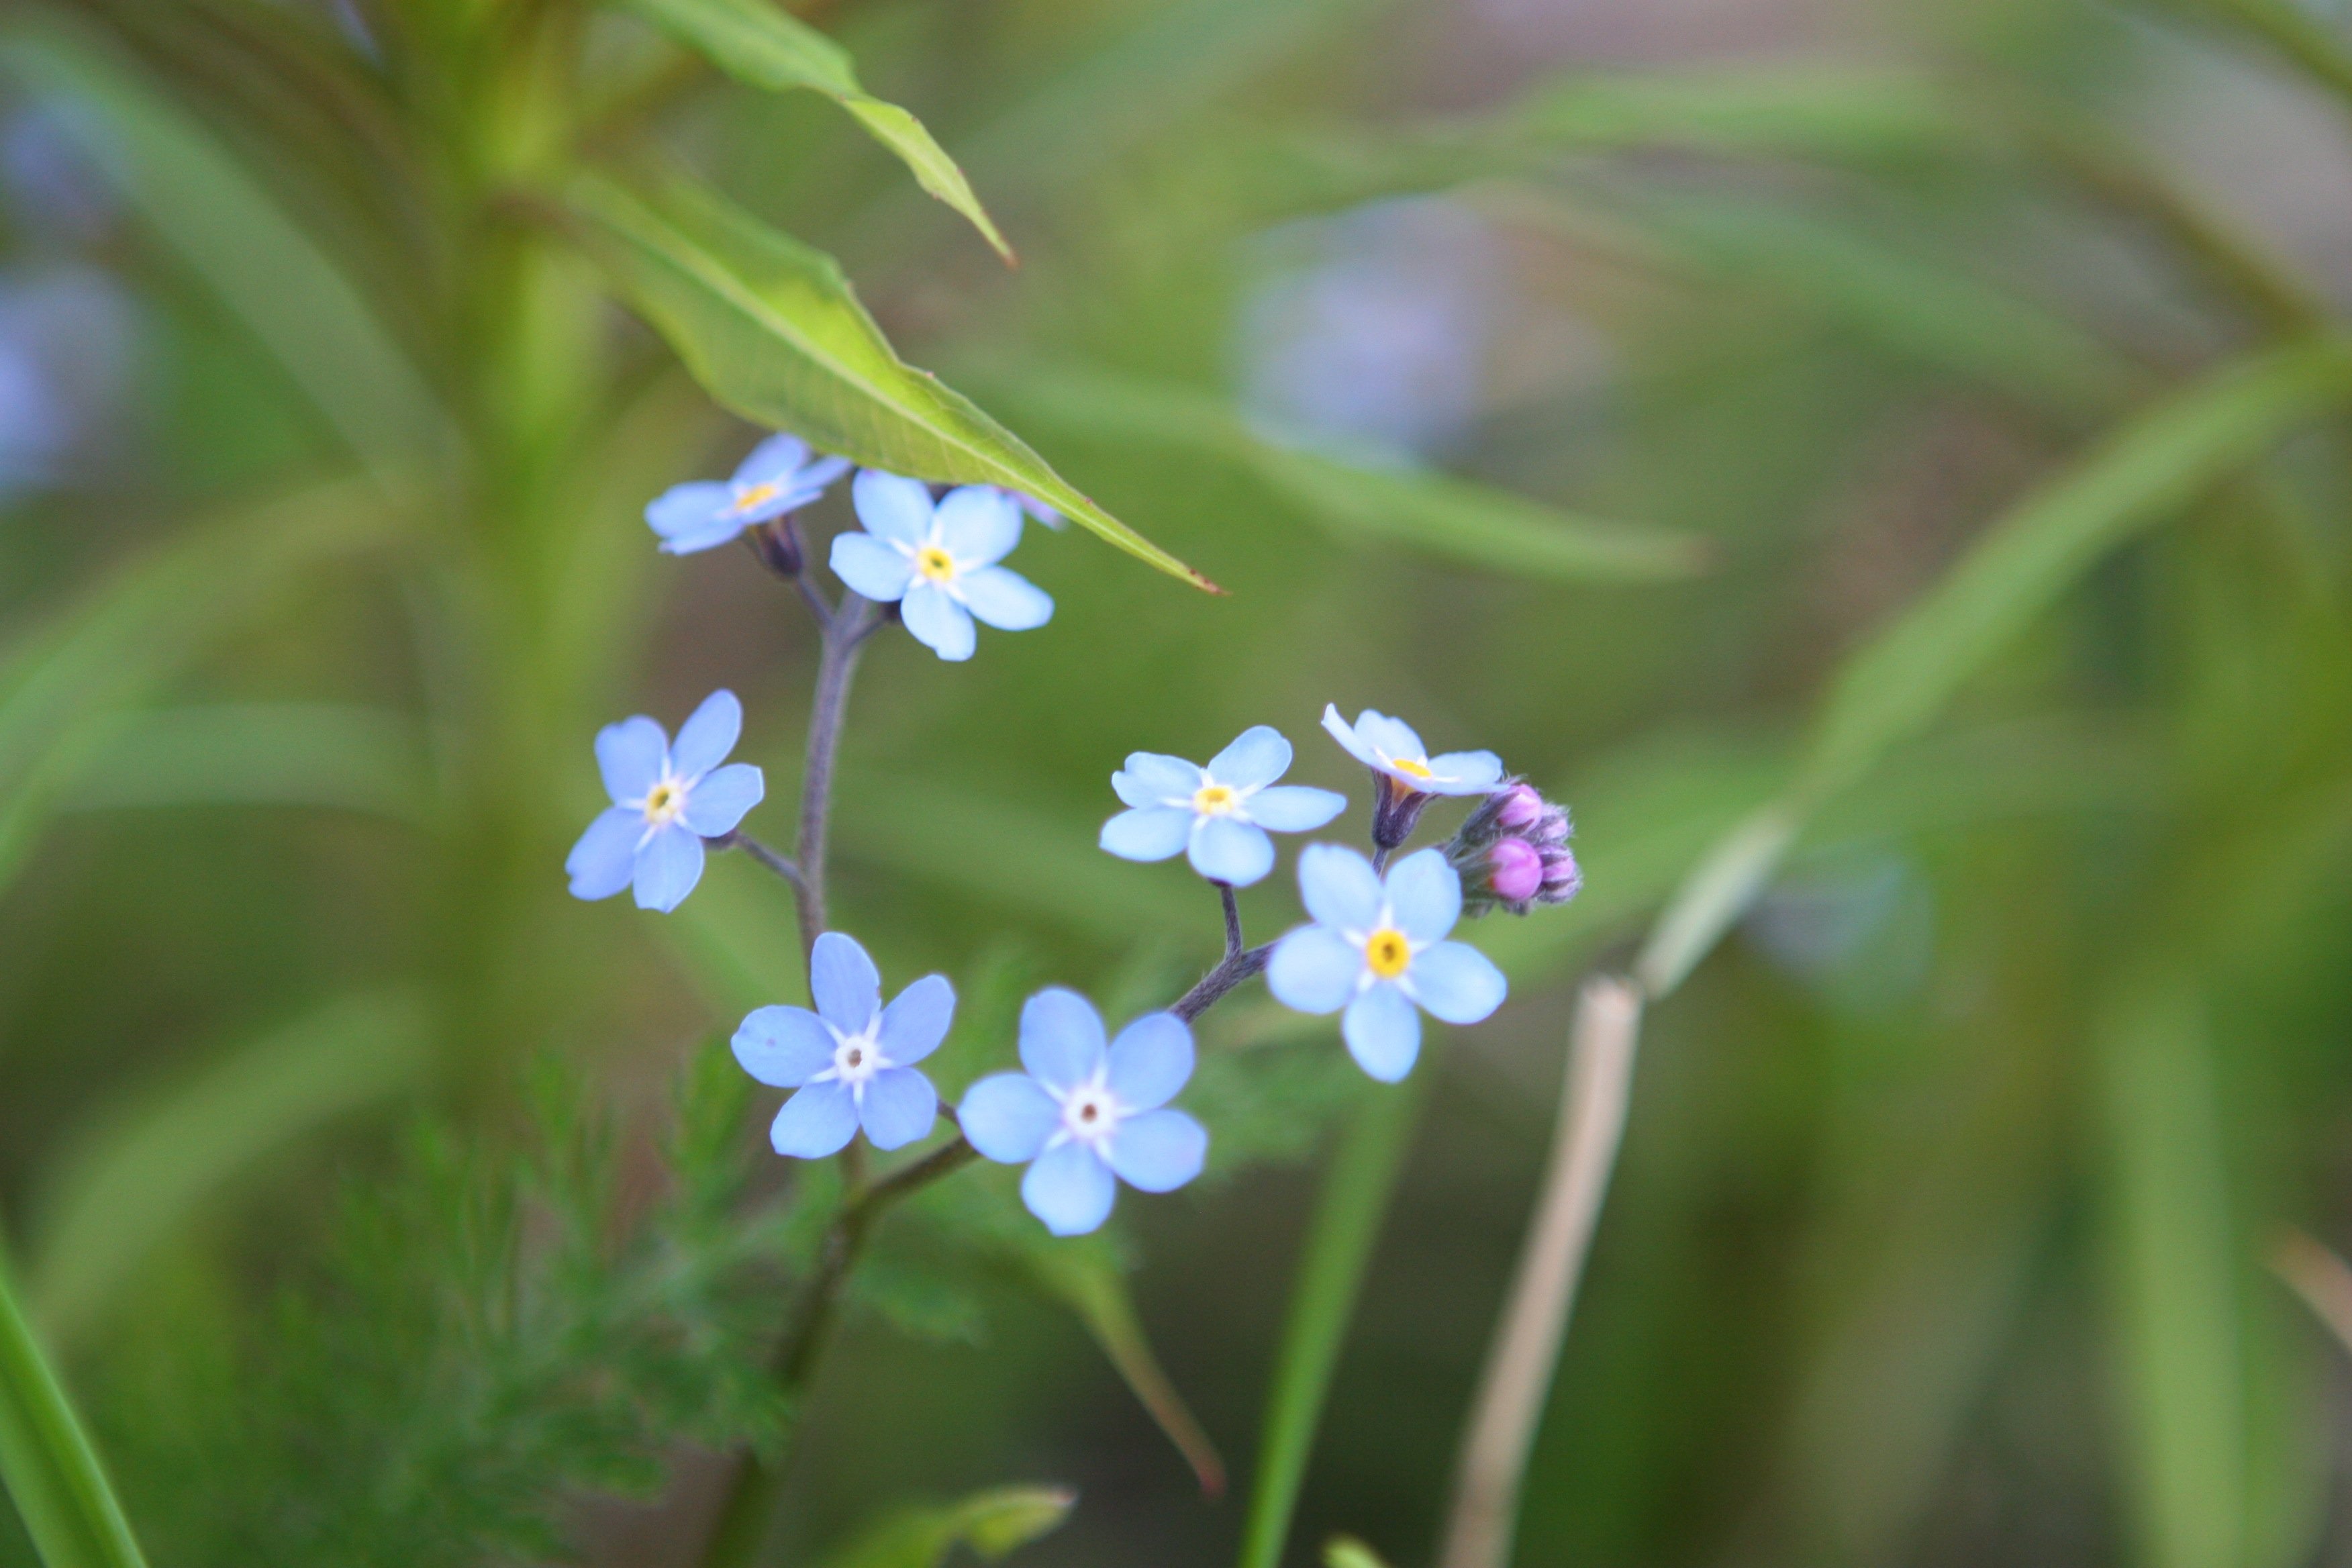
(1513, 854)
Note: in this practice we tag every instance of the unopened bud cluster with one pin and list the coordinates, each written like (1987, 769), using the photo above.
(1512, 853)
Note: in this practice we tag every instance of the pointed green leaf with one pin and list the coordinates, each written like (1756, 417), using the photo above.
(764, 46)
(992, 1523)
(772, 330)
(1092, 1285)
(52, 1473)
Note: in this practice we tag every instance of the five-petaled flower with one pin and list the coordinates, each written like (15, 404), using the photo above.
(939, 563)
(1377, 948)
(1083, 1111)
(667, 799)
(1219, 814)
(852, 1060)
(1390, 748)
(779, 477)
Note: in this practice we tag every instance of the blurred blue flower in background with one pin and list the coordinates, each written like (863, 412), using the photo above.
(1219, 814)
(666, 801)
(68, 335)
(937, 562)
(852, 1060)
(779, 475)
(52, 152)
(1377, 949)
(1084, 1112)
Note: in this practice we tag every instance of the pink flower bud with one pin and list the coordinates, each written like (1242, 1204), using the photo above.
(1518, 808)
(1515, 869)
(1561, 877)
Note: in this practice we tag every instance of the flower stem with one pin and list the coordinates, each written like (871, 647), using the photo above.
(846, 631)
(781, 865)
(1239, 963)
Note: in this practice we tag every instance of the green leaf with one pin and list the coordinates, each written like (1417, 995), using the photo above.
(272, 277)
(764, 46)
(157, 1160)
(1347, 1551)
(1472, 523)
(1092, 1285)
(52, 1472)
(772, 330)
(992, 1523)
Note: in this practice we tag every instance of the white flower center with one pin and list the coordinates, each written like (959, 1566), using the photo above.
(855, 1059)
(665, 802)
(1090, 1112)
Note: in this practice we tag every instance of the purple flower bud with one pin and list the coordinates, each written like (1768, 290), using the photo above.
(1518, 807)
(1515, 869)
(1562, 878)
(777, 543)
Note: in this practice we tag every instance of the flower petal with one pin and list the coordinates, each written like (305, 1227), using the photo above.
(693, 517)
(1384, 1032)
(1235, 853)
(916, 1020)
(1008, 1117)
(871, 567)
(1393, 737)
(1340, 729)
(900, 1106)
(1456, 982)
(668, 866)
(1061, 1038)
(1257, 757)
(1424, 895)
(1150, 1060)
(1070, 1189)
(1338, 886)
(844, 982)
(1293, 808)
(784, 1046)
(1158, 1152)
(815, 1121)
(605, 859)
(938, 622)
(716, 804)
(1314, 969)
(978, 524)
(1005, 599)
(772, 461)
(892, 507)
(630, 756)
(1153, 778)
(1464, 772)
(708, 735)
(1148, 833)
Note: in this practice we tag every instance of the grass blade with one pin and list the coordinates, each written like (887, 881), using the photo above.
(1092, 1286)
(52, 1472)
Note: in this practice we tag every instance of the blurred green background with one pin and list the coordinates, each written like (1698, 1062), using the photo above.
(1592, 380)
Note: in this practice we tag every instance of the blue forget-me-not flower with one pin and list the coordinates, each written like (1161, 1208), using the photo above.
(667, 799)
(779, 475)
(1083, 1111)
(1390, 748)
(1377, 949)
(1218, 814)
(852, 1060)
(937, 562)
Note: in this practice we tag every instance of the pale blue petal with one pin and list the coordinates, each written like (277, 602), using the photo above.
(1293, 808)
(1158, 1152)
(816, 1122)
(1061, 1038)
(772, 461)
(871, 567)
(844, 982)
(1338, 886)
(1005, 599)
(938, 622)
(1235, 853)
(1456, 982)
(719, 531)
(1070, 1189)
(916, 1020)
(1150, 1060)
(784, 1046)
(706, 738)
(1384, 1032)
(819, 475)
(1314, 969)
(693, 517)
(668, 866)
(900, 1106)
(1464, 772)
(1148, 833)
(1008, 1117)
(891, 506)
(1424, 895)
(1151, 778)
(605, 859)
(716, 805)
(630, 756)
(1258, 757)
(1393, 736)
(977, 525)
(1340, 729)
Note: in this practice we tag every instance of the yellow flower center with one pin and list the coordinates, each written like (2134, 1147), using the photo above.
(1388, 953)
(664, 801)
(1415, 766)
(1214, 800)
(934, 564)
(754, 496)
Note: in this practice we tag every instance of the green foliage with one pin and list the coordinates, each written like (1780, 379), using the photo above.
(47, 1465)
(992, 1523)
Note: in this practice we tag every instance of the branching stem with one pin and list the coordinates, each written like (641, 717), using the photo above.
(781, 865)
